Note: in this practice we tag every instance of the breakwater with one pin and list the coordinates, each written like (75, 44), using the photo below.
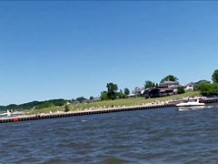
(209, 100)
(81, 113)
(98, 111)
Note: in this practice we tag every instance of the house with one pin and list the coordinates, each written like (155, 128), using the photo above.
(196, 84)
(155, 92)
(189, 87)
(138, 91)
(168, 87)
(164, 89)
(169, 84)
(158, 92)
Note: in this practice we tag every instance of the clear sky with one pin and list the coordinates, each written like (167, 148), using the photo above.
(68, 49)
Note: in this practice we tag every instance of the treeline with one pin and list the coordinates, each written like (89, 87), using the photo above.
(112, 92)
(210, 89)
(35, 105)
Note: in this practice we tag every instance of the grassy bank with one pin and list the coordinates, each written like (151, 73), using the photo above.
(112, 103)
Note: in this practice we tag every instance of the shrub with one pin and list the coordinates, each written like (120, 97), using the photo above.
(66, 108)
(45, 105)
(180, 90)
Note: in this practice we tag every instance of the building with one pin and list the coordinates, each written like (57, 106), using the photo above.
(189, 87)
(169, 84)
(164, 89)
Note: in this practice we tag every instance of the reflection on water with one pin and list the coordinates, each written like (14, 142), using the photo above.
(149, 136)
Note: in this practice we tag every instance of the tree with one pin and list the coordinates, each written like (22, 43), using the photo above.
(91, 98)
(149, 84)
(121, 95)
(169, 78)
(104, 95)
(66, 108)
(215, 76)
(180, 90)
(112, 90)
(45, 104)
(126, 91)
(208, 89)
(81, 99)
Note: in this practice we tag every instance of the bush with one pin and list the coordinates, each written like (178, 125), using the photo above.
(66, 108)
(180, 90)
(207, 89)
(45, 105)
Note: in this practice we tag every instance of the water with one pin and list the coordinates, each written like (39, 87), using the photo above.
(147, 136)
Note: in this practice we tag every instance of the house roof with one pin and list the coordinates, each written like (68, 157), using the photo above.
(170, 82)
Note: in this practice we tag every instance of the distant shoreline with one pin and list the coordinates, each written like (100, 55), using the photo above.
(93, 111)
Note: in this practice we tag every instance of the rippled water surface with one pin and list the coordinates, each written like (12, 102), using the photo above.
(146, 136)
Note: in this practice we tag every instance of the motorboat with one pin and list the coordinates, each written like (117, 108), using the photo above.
(7, 114)
(190, 104)
(10, 114)
(190, 108)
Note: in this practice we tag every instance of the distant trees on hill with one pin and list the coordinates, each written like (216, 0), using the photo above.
(112, 92)
(35, 104)
(207, 89)
(169, 78)
(210, 89)
(80, 99)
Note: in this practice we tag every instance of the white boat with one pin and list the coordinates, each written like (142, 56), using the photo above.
(190, 105)
(7, 114)
(189, 108)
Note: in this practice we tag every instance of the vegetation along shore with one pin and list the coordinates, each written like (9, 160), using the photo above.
(151, 93)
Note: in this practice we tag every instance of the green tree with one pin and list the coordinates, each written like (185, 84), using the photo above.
(121, 95)
(180, 90)
(81, 99)
(104, 95)
(126, 91)
(66, 108)
(45, 104)
(149, 84)
(91, 98)
(215, 76)
(169, 78)
(208, 89)
(112, 90)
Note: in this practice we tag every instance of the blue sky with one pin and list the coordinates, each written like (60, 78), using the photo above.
(68, 49)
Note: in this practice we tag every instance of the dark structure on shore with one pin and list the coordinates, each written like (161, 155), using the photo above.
(164, 89)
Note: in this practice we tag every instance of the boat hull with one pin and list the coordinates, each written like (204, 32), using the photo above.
(190, 105)
(191, 108)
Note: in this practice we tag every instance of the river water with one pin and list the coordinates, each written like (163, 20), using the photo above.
(148, 136)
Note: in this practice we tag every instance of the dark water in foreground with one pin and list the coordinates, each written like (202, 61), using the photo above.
(148, 136)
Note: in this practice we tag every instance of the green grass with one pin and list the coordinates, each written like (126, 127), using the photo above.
(113, 103)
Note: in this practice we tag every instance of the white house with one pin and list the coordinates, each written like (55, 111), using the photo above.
(189, 87)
